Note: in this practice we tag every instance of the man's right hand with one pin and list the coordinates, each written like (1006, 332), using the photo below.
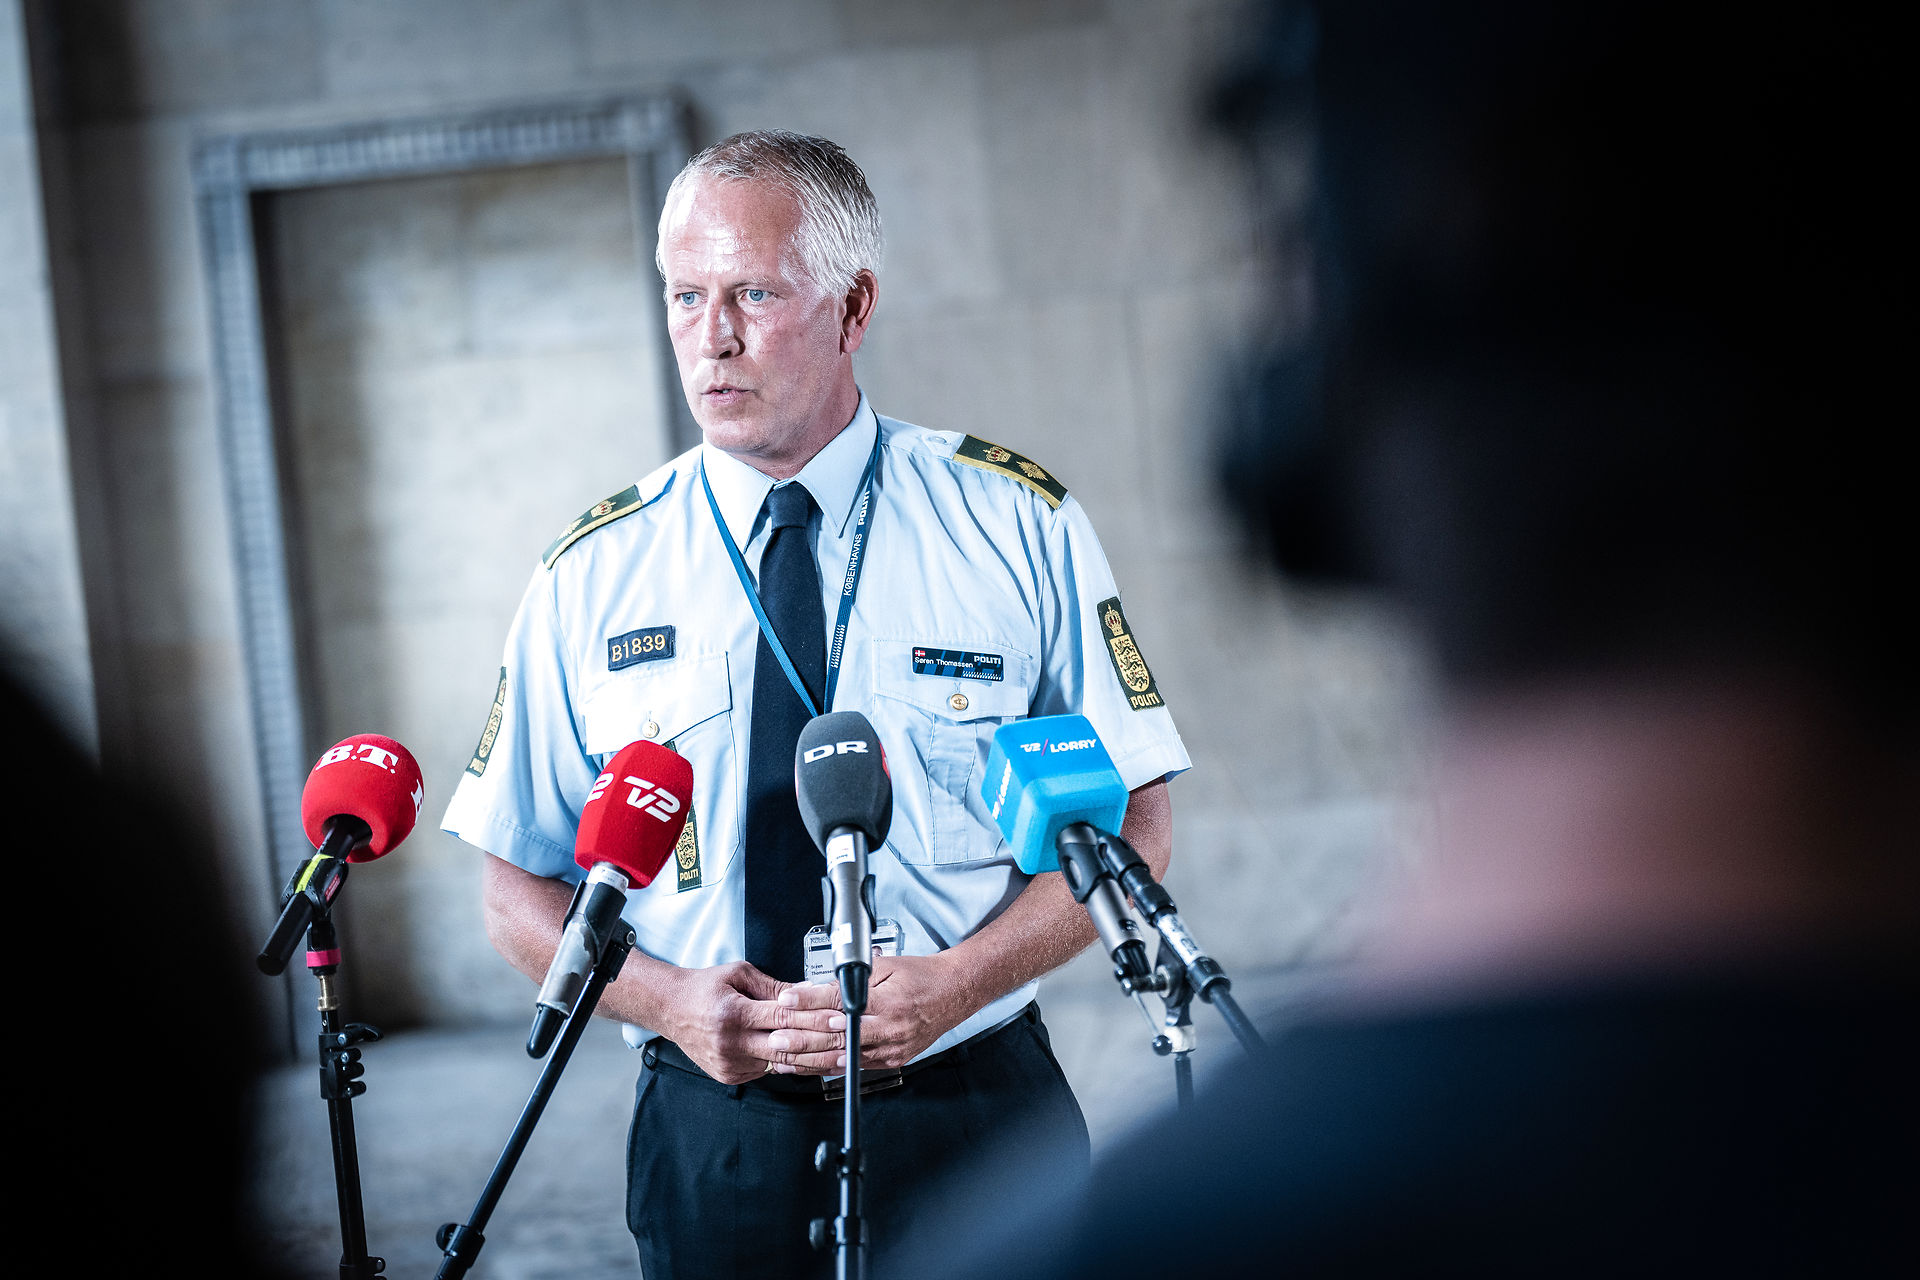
(725, 1018)
(728, 1020)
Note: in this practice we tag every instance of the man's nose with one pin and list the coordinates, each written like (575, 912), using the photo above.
(718, 338)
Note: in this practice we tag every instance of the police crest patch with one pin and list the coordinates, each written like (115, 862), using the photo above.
(478, 765)
(686, 853)
(1132, 669)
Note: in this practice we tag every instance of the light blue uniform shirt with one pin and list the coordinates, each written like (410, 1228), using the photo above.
(963, 558)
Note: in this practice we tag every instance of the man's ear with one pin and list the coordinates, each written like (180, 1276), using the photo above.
(857, 310)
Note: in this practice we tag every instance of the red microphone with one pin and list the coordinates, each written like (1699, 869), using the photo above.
(367, 778)
(629, 824)
(361, 800)
(633, 815)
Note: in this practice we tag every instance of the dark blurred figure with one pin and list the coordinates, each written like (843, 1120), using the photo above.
(1599, 389)
(130, 1109)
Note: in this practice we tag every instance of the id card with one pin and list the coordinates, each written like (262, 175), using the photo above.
(886, 942)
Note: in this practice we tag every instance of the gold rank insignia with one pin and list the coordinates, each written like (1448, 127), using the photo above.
(626, 502)
(1127, 662)
(976, 452)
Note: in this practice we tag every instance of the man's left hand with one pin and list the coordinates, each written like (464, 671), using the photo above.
(911, 1002)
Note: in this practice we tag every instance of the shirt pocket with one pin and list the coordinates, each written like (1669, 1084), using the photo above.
(937, 731)
(686, 701)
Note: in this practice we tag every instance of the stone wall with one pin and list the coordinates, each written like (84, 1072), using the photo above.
(43, 636)
(1072, 272)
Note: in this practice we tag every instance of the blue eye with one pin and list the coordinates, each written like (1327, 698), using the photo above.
(756, 295)
(685, 299)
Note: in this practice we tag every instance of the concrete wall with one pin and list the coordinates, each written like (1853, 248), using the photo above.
(1071, 272)
(43, 626)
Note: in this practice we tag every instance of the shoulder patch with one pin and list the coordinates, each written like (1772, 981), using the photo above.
(976, 452)
(625, 502)
(1142, 692)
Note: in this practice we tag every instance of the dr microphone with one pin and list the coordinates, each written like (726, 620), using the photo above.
(629, 825)
(360, 801)
(846, 804)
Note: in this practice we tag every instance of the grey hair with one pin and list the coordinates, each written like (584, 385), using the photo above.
(839, 233)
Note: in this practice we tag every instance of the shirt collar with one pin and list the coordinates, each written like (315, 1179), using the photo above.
(832, 476)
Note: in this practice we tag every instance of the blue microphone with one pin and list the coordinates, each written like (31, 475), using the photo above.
(1053, 791)
(1044, 775)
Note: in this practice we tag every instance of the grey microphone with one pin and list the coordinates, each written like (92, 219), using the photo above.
(846, 803)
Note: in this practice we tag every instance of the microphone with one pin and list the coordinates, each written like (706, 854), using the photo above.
(360, 801)
(846, 803)
(1053, 791)
(629, 825)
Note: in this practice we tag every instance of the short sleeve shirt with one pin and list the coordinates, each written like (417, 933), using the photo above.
(983, 597)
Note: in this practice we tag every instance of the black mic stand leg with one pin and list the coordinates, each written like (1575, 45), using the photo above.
(461, 1243)
(849, 1230)
(1212, 986)
(340, 1070)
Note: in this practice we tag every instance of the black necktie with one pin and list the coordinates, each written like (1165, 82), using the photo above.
(783, 865)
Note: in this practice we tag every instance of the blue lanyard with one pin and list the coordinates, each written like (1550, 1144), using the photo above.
(849, 584)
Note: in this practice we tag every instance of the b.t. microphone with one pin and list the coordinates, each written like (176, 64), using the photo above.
(846, 803)
(360, 801)
(1052, 789)
(629, 824)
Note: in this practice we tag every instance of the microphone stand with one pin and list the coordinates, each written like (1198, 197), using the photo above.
(308, 903)
(1178, 1037)
(340, 1070)
(1181, 969)
(461, 1242)
(849, 1228)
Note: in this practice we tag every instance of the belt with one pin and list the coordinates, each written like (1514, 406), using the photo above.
(661, 1052)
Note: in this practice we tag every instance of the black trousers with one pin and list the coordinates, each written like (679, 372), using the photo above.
(721, 1183)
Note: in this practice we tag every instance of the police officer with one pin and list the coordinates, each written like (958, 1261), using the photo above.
(810, 555)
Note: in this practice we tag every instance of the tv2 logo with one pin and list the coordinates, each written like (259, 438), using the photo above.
(645, 796)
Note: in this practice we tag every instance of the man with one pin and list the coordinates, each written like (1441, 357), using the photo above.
(1605, 338)
(972, 591)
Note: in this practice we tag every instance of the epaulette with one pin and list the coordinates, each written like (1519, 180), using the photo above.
(976, 452)
(623, 503)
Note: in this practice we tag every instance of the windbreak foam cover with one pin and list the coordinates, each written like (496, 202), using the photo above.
(633, 816)
(370, 777)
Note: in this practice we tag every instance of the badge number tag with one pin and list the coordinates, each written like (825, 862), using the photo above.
(648, 645)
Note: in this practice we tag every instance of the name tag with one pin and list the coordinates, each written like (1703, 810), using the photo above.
(958, 662)
(649, 645)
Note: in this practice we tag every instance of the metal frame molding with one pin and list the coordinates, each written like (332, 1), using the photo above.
(229, 171)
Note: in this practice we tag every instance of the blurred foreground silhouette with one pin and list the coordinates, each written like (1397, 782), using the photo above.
(1597, 391)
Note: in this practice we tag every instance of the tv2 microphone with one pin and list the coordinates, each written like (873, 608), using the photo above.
(1053, 791)
(846, 803)
(629, 824)
(360, 801)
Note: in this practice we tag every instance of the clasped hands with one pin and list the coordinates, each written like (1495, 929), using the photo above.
(738, 1024)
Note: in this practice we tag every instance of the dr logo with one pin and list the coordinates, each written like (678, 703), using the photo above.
(824, 750)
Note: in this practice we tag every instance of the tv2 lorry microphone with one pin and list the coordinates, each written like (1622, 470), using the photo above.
(1053, 791)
